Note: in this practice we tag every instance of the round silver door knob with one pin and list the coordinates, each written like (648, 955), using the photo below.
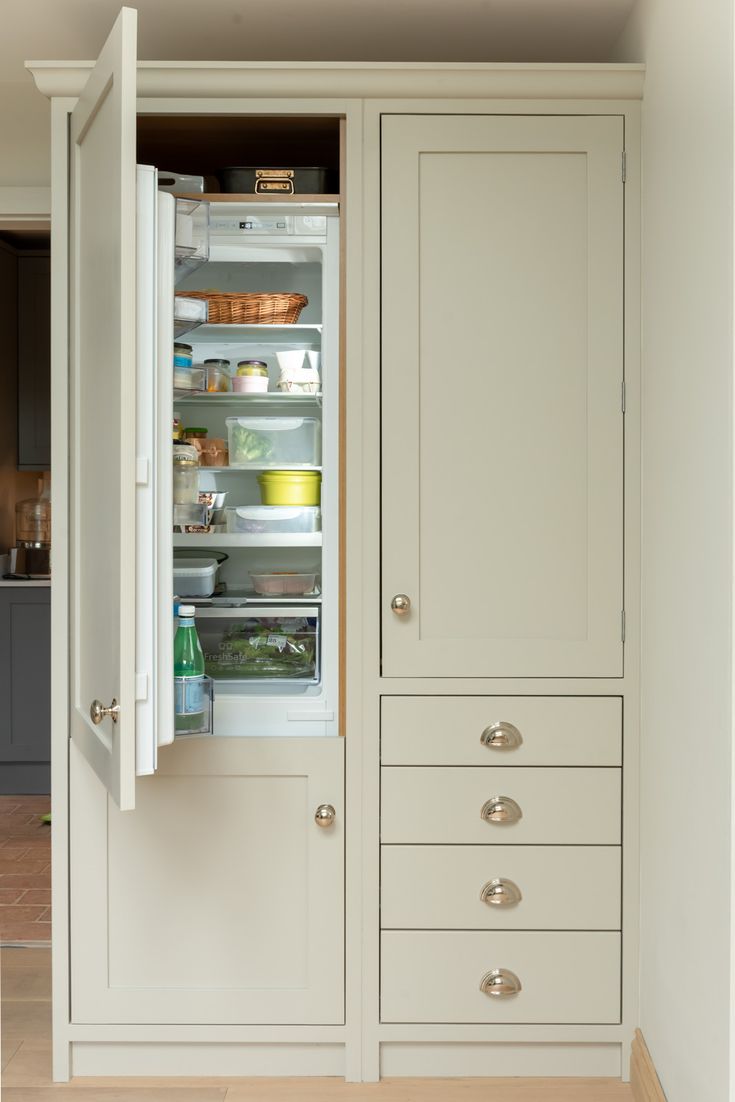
(98, 712)
(401, 604)
(325, 815)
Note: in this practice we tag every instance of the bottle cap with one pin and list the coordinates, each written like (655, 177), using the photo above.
(186, 610)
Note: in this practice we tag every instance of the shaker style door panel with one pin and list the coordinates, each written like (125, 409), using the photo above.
(102, 459)
(502, 369)
(220, 900)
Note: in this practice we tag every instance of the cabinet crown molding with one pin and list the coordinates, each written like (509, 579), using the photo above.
(342, 79)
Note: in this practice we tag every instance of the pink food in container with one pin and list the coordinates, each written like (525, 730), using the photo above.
(277, 585)
(250, 384)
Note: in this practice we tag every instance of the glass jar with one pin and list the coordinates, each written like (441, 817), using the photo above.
(197, 437)
(33, 521)
(252, 367)
(183, 354)
(218, 376)
(186, 474)
(251, 378)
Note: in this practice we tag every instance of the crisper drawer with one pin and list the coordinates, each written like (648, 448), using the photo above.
(500, 887)
(530, 806)
(440, 976)
(251, 645)
(501, 730)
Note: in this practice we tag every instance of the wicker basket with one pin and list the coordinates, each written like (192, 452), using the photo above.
(250, 308)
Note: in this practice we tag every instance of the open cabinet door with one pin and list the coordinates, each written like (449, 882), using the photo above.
(102, 368)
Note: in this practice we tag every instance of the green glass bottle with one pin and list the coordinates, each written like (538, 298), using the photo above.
(188, 674)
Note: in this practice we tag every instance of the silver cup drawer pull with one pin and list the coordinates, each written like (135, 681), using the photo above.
(500, 983)
(501, 736)
(501, 809)
(500, 893)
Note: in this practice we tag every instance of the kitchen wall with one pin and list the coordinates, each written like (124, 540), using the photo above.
(14, 485)
(25, 135)
(686, 538)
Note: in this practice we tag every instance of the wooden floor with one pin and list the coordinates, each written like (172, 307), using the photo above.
(25, 870)
(26, 1061)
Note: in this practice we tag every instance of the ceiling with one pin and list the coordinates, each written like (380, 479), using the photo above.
(318, 30)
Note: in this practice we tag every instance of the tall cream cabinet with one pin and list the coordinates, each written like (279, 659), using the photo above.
(422, 862)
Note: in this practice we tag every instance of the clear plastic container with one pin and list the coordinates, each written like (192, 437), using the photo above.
(264, 442)
(188, 378)
(283, 584)
(270, 644)
(274, 518)
(195, 577)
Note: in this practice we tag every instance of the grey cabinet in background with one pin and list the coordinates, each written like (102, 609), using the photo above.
(34, 363)
(25, 689)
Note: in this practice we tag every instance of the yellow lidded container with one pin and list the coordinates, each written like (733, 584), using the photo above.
(290, 487)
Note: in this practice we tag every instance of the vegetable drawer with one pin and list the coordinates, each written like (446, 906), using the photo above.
(501, 730)
(260, 644)
(448, 976)
(500, 806)
(500, 887)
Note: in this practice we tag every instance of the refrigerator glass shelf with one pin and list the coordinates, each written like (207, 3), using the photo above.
(272, 398)
(244, 539)
(278, 335)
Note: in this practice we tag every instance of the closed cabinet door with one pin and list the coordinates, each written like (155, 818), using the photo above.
(502, 373)
(220, 900)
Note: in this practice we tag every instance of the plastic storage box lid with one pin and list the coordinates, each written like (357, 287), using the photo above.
(196, 568)
(272, 512)
(271, 424)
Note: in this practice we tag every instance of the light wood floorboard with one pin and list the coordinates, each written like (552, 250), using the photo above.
(26, 1037)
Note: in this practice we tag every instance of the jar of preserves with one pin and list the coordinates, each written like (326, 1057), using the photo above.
(183, 354)
(186, 474)
(218, 375)
(251, 377)
(197, 437)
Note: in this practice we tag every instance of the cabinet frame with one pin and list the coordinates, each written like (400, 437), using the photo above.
(360, 93)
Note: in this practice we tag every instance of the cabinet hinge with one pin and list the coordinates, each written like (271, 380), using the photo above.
(141, 470)
(622, 625)
(622, 395)
(623, 165)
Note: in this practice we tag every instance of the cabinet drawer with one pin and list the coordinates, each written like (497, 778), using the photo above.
(447, 730)
(451, 887)
(435, 976)
(557, 806)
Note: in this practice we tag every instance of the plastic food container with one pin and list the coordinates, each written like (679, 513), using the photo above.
(282, 585)
(270, 644)
(266, 519)
(259, 442)
(188, 378)
(250, 384)
(290, 487)
(195, 577)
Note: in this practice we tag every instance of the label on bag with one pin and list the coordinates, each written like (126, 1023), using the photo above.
(188, 696)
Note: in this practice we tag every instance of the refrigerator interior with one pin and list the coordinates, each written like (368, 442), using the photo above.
(275, 693)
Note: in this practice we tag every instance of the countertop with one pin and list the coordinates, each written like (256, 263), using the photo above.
(30, 582)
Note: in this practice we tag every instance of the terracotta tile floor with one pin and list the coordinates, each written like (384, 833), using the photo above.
(25, 870)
